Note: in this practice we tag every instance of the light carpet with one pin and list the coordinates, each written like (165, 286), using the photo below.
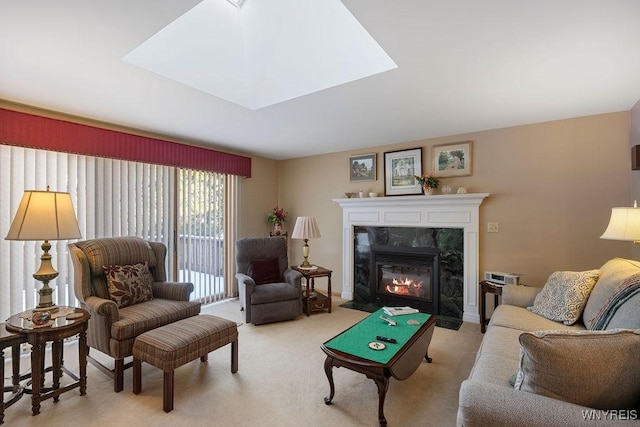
(280, 382)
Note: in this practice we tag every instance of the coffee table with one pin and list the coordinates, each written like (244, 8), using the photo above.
(351, 349)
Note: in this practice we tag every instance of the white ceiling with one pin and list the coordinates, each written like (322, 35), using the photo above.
(463, 66)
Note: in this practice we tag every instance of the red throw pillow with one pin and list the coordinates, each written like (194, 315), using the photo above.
(265, 271)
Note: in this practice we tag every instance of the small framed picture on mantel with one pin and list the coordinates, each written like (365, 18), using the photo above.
(399, 170)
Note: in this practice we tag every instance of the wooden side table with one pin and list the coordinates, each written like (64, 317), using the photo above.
(13, 340)
(487, 288)
(313, 300)
(59, 329)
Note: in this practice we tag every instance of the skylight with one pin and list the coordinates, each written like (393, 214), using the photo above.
(236, 3)
(266, 52)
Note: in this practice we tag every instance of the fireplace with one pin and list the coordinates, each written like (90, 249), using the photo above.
(461, 211)
(406, 276)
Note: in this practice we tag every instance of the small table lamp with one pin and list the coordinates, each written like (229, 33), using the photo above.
(624, 224)
(45, 215)
(306, 228)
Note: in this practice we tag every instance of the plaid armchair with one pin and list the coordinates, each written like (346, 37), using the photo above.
(112, 329)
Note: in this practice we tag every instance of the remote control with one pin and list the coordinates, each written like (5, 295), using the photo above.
(389, 321)
(385, 339)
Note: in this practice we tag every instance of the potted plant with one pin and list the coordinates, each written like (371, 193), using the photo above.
(428, 182)
(276, 217)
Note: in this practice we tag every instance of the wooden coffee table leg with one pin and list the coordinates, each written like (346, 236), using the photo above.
(328, 369)
(383, 385)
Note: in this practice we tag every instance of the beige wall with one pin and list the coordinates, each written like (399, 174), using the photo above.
(257, 196)
(552, 186)
(634, 139)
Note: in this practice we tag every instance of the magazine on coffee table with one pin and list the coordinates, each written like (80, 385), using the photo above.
(399, 311)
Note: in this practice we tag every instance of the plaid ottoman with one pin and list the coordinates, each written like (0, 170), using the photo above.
(175, 344)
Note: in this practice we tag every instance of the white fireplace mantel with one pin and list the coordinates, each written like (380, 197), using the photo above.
(433, 211)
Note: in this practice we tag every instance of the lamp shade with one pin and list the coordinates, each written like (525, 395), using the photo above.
(624, 224)
(306, 228)
(44, 215)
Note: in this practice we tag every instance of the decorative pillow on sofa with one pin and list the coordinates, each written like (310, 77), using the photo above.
(597, 369)
(265, 271)
(129, 284)
(564, 295)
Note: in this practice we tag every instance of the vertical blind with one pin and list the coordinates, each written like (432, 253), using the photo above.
(201, 233)
(111, 198)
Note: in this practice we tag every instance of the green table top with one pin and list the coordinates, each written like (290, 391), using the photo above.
(355, 340)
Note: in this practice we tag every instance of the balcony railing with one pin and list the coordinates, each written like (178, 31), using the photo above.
(201, 262)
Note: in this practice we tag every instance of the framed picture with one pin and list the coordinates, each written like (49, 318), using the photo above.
(399, 170)
(362, 167)
(452, 159)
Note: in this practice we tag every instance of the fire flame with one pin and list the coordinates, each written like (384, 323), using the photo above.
(404, 286)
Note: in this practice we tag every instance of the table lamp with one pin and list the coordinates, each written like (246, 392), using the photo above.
(624, 224)
(45, 215)
(306, 228)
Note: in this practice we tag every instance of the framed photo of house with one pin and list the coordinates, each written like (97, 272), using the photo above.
(399, 170)
(363, 167)
(452, 159)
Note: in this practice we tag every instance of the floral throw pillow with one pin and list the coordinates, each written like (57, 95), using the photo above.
(129, 284)
(564, 295)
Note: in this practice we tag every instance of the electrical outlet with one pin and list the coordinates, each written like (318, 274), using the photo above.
(492, 227)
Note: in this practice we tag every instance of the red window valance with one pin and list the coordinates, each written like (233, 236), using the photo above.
(32, 131)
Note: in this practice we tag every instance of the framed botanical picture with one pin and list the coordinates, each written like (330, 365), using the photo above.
(399, 170)
(363, 167)
(452, 159)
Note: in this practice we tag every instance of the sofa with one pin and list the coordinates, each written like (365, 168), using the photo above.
(566, 354)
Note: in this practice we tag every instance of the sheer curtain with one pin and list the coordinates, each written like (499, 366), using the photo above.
(111, 198)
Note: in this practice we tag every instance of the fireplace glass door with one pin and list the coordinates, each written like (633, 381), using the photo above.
(406, 276)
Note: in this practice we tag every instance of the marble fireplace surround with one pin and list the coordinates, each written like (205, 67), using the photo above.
(433, 211)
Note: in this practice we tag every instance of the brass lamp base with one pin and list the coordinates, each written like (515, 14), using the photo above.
(45, 300)
(305, 253)
(51, 309)
(46, 273)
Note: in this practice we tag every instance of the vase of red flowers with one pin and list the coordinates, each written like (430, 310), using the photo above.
(276, 217)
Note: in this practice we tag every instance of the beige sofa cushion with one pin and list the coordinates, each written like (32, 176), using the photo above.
(564, 295)
(510, 316)
(612, 274)
(597, 369)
